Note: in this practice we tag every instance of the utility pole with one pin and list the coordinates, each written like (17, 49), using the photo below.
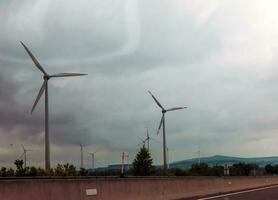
(199, 153)
(123, 162)
(127, 158)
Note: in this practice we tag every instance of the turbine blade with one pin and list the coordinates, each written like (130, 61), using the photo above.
(160, 124)
(66, 75)
(39, 95)
(176, 108)
(141, 139)
(141, 143)
(157, 102)
(34, 59)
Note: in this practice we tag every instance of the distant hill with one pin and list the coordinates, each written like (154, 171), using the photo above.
(221, 160)
(212, 160)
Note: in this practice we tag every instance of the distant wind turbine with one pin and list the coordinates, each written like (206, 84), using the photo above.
(162, 122)
(25, 154)
(81, 155)
(148, 138)
(44, 89)
(143, 142)
(93, 159)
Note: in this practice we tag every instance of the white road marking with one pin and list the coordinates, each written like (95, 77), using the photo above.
(235, 193)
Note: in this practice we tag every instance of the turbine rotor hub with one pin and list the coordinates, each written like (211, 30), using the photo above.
(45, 77)
(163, 111)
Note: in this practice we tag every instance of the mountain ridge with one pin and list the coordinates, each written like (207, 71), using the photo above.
(222, 159)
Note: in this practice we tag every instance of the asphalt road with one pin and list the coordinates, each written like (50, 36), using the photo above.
(264, 193)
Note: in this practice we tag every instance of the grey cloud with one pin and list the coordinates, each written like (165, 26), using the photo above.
(204, 55)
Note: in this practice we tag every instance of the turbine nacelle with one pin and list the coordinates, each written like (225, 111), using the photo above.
(46, 77)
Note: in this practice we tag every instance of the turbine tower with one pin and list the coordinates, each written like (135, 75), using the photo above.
(162, 122)
(148, 139)
(24, 154)
(44, 89)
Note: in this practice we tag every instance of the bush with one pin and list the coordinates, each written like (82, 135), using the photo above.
(242, 169)
(83, 172)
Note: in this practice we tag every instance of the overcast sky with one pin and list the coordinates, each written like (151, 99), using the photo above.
(218, 57)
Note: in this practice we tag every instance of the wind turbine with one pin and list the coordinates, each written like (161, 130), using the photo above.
(25, 153)
(81, 155)
(93, 159)
(142, 142)
(162, 122)
(44, 89)
(147, 140)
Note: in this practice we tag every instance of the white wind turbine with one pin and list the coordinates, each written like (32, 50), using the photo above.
(93, 159)
(162, 122)
(143, 142)
(147, 140)
(81, 155)
(44, 89)
(25, 154)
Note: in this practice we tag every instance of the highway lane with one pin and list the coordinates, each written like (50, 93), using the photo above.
(265, 193)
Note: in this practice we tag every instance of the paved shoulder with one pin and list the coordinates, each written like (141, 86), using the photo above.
(269, 193)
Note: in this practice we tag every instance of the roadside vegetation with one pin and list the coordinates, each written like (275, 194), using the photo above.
(271, 169)
(141, 166)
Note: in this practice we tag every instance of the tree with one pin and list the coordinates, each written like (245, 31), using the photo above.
(142, 164)
(70, 170)
(31, 171)
(241, 169)
(271, 169)
(83, 172)
(65, 170)
(20, 171)
(10, 172)
(3, 171)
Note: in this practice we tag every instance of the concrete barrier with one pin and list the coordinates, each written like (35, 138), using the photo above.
(154, 188)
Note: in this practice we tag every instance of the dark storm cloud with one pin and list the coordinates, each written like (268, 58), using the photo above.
(12, 113)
